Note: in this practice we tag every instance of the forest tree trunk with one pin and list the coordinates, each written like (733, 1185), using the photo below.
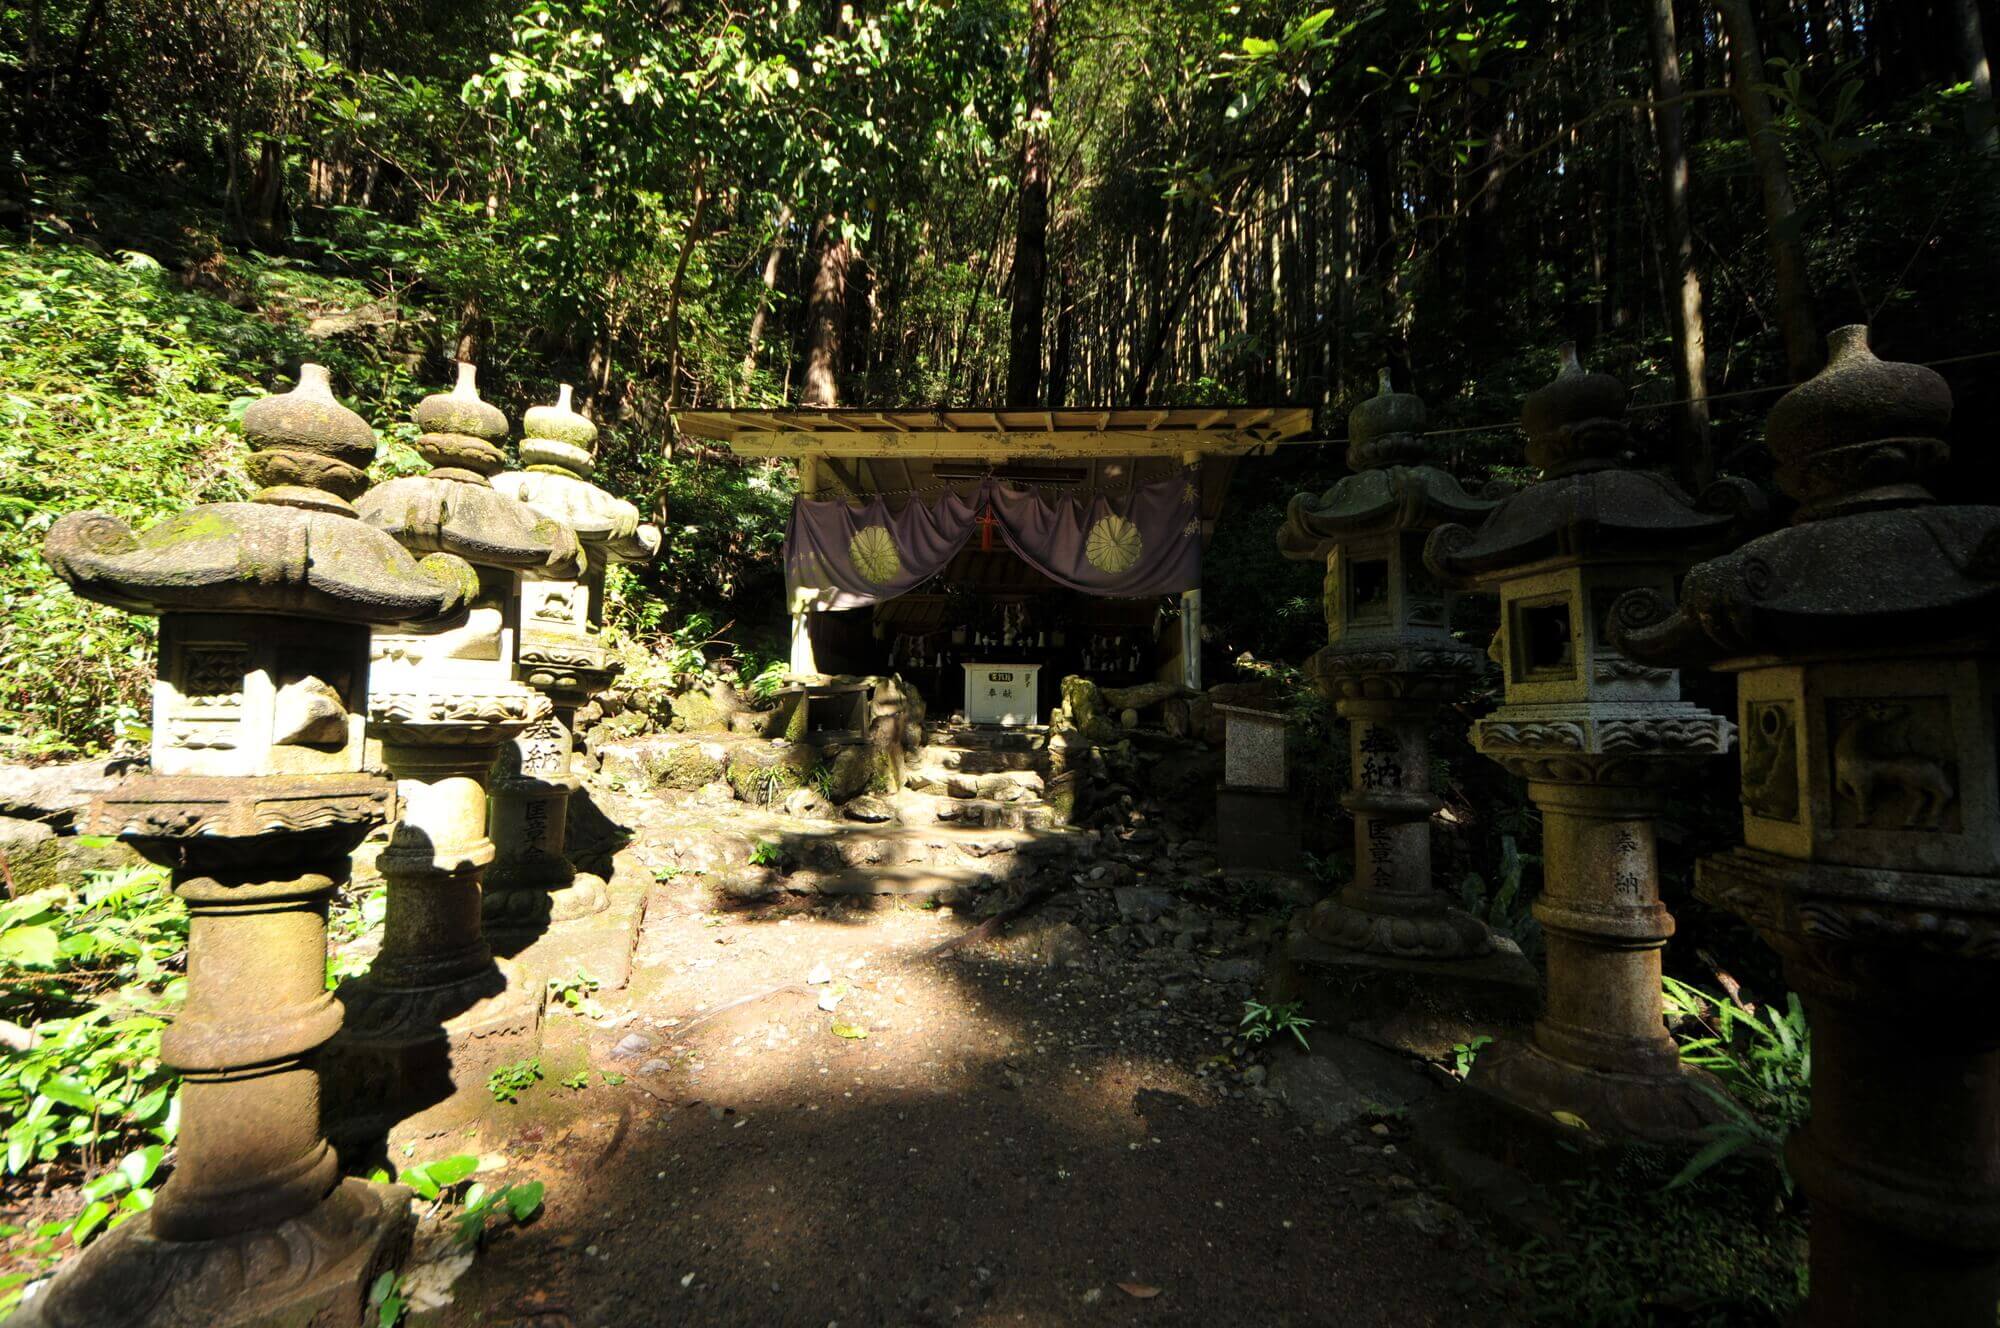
(1684, 311)
(1031, 234)
(1796, 322)
(826, 314)
(1979, 111)
(688, 241)
(770, 279)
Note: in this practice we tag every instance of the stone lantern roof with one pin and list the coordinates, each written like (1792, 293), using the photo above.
(1394, 486)
(455, 508)
(1872, 557)
(1588, 503)
(558, 449)
(295, 550)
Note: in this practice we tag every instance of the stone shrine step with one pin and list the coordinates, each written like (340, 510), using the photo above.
(943, 884)
(1025, 814)
(999, 785)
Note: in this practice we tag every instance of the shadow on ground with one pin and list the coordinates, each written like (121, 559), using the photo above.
(1010, 1143)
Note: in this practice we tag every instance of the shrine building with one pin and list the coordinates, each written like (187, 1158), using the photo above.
(984, 554)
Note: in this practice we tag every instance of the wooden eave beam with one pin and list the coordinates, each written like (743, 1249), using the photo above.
(961, 444)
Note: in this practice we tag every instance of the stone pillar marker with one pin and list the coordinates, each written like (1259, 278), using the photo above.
(1599, 737)
(1867, 662)
(255, 797)
(533, 888)
(435, 1013)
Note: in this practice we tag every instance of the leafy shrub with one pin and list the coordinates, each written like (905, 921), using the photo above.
(92, 975)
(88, 979)
(119, 392)
(1764, 1060)
(1633, 1251)
(1506, 909)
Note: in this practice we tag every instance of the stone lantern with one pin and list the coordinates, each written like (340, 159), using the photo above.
(255, 798)
(1867, 659)
(1389, 662)
(435, 1013)
(1599, 737)
(533, 891)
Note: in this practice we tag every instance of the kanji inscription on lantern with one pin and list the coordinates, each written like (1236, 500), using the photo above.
(541, 749)
(1381, 844)
(1381, 758)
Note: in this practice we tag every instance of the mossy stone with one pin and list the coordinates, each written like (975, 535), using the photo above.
(695, 712)
(683, 766)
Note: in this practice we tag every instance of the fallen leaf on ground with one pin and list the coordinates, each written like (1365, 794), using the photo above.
(847, 1030)
(1571, 1119)
(1139, 1290)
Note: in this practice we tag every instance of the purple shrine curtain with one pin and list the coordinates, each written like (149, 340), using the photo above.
(1146, 541)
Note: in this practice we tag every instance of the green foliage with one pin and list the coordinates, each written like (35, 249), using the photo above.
(576, 993)
(478, 1208)
(92, 975)
(1261, 1023)
(1464, 1053)
(352, 918)
(89, 976)
(430, 1180)
(114, 395)
(119, 392)
(1764, 1060)
(765, 683)
(1710, 1254)
(1506, 909)
(507, 1083)
(767, 854)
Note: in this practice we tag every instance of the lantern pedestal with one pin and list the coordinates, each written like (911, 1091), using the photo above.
(1901, 1158)
(436, 1013)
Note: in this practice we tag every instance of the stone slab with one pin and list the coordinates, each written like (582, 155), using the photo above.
(1424, 1007)
(1254, 749)
(1258, 831)
(1344, 1080)
(30, 856)
(1495, 1163)
(600, 944)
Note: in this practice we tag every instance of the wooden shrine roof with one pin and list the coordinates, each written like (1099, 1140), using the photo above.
(994, 435)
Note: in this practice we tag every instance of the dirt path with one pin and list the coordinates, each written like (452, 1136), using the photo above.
(1032, 1131)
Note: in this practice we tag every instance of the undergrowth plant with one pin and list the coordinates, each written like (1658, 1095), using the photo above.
(1263, 1022)
(1763, 1059)
(479, 1209)
(1506, 908)
(89, 976)
(507, 1083)
(1714, 1253)
(119, 391)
